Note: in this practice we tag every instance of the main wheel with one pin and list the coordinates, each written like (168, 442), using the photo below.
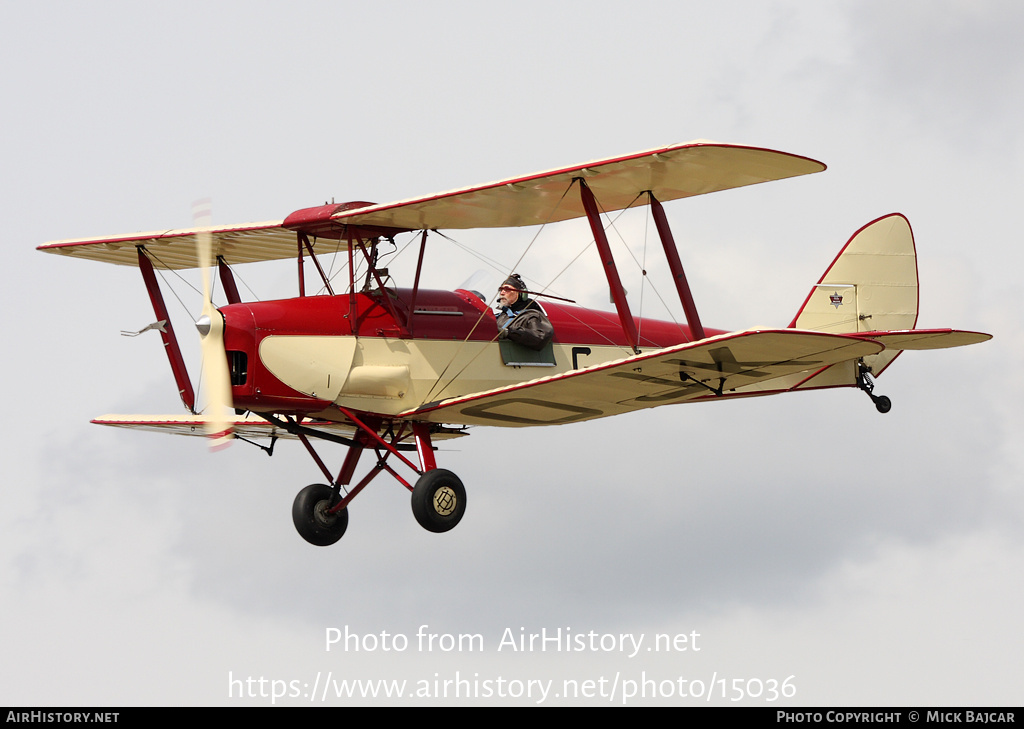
(312, 521)
(883, 404)
(438, 500)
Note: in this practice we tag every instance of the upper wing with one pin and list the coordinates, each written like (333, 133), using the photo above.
(177, 248)
(719, 365)
(679, 171)
(683, 170)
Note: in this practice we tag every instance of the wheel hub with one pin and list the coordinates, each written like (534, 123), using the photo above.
(445, 501)
(322, 516)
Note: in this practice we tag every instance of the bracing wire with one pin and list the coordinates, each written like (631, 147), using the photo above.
(165, 267)
(611, 224)
(188, 313)
(641, 265)
(490, 305)
(244, 283)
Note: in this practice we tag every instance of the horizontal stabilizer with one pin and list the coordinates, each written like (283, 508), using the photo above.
(844, 374)
(919, 339)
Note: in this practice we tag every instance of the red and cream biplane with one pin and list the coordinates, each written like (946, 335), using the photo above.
(395, 369)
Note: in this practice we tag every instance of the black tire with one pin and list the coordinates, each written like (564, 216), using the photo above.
(883, 404)
(313, 523)
(438, 500)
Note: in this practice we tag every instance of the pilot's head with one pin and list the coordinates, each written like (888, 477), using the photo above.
(510, 290)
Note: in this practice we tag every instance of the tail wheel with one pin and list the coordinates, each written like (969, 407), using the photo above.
(865, 383)
(311, 517)
(438, 500)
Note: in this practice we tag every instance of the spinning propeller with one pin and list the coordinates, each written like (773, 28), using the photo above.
(219, 423)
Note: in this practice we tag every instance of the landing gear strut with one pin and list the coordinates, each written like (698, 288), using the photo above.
(320, 511)
(865, 383)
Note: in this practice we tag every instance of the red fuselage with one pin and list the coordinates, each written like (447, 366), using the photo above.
(441, 316)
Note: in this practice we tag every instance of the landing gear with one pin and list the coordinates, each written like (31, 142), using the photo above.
(313, 519)
(865, 383)
(320, 511)
(438, 500)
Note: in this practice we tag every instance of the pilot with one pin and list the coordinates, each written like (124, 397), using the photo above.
(520, 319)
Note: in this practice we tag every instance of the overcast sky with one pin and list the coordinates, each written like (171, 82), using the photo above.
(860, 558)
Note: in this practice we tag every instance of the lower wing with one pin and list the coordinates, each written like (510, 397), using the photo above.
(722, 365)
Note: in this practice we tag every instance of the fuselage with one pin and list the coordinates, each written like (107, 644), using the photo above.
(372, 352)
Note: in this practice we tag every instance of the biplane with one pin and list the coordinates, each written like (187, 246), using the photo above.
(392, 369)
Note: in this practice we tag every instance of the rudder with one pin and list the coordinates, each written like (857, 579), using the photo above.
(871, 286)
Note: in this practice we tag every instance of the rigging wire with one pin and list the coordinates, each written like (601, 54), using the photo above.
(396, 253)
(495, 264)
(640, 265)
(244, 283)
(334, 259)
(490, 305)
(611, 224)
(165, 267)
(188, 313)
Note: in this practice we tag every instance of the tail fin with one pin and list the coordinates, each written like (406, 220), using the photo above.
(871, 286)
